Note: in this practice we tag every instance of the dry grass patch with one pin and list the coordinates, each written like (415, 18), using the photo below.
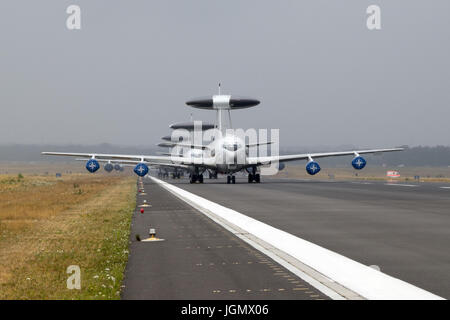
(48, 224)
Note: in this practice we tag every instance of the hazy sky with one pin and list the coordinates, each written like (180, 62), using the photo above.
(322, 76)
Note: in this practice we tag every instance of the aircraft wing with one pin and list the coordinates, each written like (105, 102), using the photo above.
(191, 145)
(250, 145)
(114, 157)
(122, 162)
(307, 156)
(134, 162)
(182, 144)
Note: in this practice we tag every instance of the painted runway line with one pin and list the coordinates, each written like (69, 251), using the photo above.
(335, 271)
(401, 185)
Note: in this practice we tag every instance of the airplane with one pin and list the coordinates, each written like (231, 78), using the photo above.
(109, 165)
(175, 143)
(120, 164)
(221, 155)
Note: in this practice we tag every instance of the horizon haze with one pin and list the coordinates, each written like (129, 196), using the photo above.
(322, 77)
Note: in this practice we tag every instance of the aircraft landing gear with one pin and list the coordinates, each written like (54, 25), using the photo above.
(254, 177)
(213, 175)
(231, 179)
(196, 177)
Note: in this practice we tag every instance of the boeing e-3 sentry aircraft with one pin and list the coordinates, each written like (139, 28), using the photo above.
(185, 137)
(226, 154)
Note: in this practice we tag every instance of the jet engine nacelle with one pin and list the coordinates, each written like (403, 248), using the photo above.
(359, 162)
(117, 167)
(312, 167)
(92, 165)
(141, 169)
(108, 167)
(281, 166)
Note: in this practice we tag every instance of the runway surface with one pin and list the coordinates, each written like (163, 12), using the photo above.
(199, 259)
(403, 228)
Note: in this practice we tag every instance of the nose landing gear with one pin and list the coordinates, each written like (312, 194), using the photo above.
(175, 175)
(213, 175)
(196, 177)
(253, 175)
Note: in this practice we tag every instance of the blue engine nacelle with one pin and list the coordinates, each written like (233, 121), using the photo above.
(108, 167)
(117, 167)
(92, 165)
(141, 169)
(359, 162)
(312, 168)
(281, 166)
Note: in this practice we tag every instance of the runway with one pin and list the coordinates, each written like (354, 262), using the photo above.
(198, 259)
(403, 228)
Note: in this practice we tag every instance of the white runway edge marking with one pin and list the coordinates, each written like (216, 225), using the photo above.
(401, 185)
(361, 279)
(445, 187)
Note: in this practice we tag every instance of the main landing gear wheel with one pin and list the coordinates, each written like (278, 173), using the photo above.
(231, 179)
(254, 177)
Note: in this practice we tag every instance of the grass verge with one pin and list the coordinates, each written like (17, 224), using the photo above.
(49, 224)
